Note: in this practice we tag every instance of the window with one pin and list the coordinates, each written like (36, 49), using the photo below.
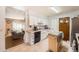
(18, 26)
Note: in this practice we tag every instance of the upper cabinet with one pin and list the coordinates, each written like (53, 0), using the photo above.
(35, 20)
(32, 20)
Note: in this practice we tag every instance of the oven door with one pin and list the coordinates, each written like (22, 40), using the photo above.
(37, 36)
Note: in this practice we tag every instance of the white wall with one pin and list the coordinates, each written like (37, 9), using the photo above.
(55, 19)
(15, 16)
(14, 13)
(2, 28)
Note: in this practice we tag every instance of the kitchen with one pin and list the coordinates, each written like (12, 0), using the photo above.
(36, 27)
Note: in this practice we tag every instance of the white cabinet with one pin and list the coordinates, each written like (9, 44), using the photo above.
(44, 21)
(31, 38)
(44, 34)
(35, 20)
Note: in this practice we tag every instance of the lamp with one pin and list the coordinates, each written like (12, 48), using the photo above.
(61, 21)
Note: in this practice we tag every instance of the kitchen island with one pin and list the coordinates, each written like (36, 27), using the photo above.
(33, 37)
(54, 42)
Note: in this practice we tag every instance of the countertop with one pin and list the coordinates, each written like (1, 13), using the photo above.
(32, 31)
(54, 34)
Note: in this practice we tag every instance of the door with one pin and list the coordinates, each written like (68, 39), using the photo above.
(64, 27)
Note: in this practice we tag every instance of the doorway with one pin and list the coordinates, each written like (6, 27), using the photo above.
(14, 27)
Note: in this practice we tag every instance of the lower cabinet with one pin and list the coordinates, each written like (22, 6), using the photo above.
(53, 43)
(44, 34)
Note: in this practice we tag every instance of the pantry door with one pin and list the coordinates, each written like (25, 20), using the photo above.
(64, 26)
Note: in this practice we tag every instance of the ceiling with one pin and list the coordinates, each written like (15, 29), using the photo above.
(43, 10)
(14, 13)
(47, 11)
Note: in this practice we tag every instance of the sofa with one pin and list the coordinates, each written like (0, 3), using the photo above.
(17, 35)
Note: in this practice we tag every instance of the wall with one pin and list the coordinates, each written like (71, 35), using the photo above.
(54, 20)
(14, 13)
(2, 28)
(8, 26)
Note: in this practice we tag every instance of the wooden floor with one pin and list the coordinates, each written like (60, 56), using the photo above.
(17, 42)
(9, 42)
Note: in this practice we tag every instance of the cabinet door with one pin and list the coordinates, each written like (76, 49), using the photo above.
(52, 40)
(33, 20)
(44, 34)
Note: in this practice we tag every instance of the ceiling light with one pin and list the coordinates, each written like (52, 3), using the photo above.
(54, 9)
